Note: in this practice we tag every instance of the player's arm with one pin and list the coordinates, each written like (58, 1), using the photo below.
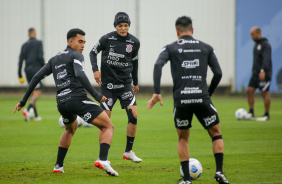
(21, 59)
(217, 73)
(82, 78)
(40, 53)
(266, 59)
(93, 59)
(161, 61)
(44, 71)
(134, 72)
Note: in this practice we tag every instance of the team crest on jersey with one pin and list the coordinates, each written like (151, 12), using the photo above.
(129, 48)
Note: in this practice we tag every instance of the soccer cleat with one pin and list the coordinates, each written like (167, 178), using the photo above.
(250, 116)
(220, 178)
(105, 165)
(37, 118)
(58, 169)
(26, 115)
(131, 156)
(264, 118)
(184, 182)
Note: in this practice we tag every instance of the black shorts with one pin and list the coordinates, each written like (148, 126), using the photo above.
(29, 76)
(205, 112)
(124, 94)
(83, 107)
(256, 83)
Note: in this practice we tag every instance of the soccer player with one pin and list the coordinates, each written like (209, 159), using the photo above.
(32, 53)
(119, 67)
(68, 72)
(189, 61)
(261, 74)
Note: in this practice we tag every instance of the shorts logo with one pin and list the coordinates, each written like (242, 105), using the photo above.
(110, 102)
(210, 120)
(182, 123)
(65, 120)
(110, 86)
(128, 48)
(191, 64)
(127, 95)
(86, 116)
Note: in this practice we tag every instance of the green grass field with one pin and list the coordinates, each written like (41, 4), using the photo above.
(253, 150)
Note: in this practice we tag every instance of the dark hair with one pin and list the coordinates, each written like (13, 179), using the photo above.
(73, 33)
(30, 30)
(184, 23)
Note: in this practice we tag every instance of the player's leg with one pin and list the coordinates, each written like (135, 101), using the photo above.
(252, 86)
(182, 121)
(65, 142)
(131, 112)
(103, 122)
(33, 99)
(264, 87)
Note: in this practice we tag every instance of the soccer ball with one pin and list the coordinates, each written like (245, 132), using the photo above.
(195, 169)
(241, 114)
(85, 124)
(61, 123)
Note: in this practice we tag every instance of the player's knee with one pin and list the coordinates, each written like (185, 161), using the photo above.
(217, 137)
(132, 117)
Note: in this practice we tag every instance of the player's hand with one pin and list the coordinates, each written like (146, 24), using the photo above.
(18, 107)
(155, 98)
(97, 77)
(21, 80)
(103, 99)
(262, 76)
(135, 89)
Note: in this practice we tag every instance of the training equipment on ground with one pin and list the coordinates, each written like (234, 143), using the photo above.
(241, 113)
(79, 120)
(195, 169)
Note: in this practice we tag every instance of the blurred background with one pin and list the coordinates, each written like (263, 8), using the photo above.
(224, 24)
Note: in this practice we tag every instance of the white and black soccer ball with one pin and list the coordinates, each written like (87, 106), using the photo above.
(195, 169)
(241, 113)
(61, 123)
(84, 123)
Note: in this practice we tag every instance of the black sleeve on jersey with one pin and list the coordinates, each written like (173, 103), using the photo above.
(161, 61)
(266, 58)
(134, 72)
(40, 54)
(82, 78)
(94, 52)
(44, 71)
(217, 74)
(21, 59)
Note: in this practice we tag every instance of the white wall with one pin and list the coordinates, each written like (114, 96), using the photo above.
(214, 23)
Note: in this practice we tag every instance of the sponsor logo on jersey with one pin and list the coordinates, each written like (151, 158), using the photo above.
(188, 50)
(193, 77)
(127, 95)
(112, 45)
(192, 90)
(116, 55)
(62, 74)
(210, 120)
(64, 84)
(182, 41)
(180, 50)
(117, 86)
(191, 101)
(130, 41)
(129, 48)
(63, 52)
(112, 38)
(59, 66)
(65, 92)
(86, 116)
(182, 123)
(116, 63)
(191, 64)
